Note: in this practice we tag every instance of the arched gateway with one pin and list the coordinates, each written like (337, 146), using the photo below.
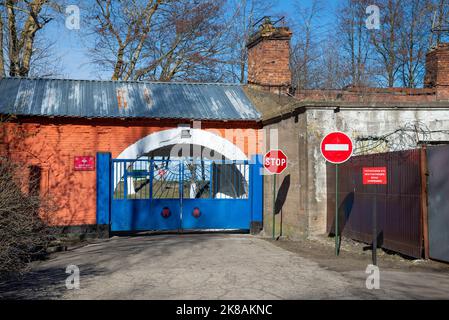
(112, 154)
(183, 179)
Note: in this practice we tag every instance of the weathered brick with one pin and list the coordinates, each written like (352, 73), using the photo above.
(437, 70)
(268, 58)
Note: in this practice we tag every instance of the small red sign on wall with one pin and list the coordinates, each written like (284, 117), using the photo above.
(84, 163)
(376, 175)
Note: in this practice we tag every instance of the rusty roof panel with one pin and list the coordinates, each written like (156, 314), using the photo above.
(117, 99)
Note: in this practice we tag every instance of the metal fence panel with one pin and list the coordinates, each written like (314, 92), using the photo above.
(438, 204)
(399, 221)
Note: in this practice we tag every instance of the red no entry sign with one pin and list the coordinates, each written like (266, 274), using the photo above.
(275, 161)
(376, 175)
(336, 147)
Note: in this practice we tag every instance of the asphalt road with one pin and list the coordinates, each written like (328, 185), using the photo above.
(206, 267)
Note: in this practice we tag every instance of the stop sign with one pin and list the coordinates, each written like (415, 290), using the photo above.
(336, 147)
(275, 161)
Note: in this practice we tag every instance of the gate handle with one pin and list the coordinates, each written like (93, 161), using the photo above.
(196, 212)
(166, 213)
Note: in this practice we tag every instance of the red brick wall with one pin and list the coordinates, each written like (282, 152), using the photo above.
(437, 70)
(430, 78)
(268, 63)
(52, 145)
(370, 95)
(437, 66)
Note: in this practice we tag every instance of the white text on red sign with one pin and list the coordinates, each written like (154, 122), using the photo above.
(275, 162)
(375, 175)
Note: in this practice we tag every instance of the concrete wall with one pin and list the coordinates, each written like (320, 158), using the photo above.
(291, 216)
(304, 212)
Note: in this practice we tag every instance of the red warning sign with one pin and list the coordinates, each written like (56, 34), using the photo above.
(377, 175)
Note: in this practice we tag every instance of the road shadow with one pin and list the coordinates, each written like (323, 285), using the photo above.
(44, 284)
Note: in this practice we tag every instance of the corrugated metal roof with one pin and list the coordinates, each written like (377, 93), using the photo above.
(117, 99)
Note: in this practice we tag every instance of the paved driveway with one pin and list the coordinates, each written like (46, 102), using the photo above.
(188, 267)
(184, 267)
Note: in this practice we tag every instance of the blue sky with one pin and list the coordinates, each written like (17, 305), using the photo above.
(70, 45)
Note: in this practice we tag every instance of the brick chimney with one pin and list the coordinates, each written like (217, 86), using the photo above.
(269, 57)
(437, 70)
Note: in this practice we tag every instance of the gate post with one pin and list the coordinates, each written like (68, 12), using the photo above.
(103, 191)
(424, 196)
(256, 193)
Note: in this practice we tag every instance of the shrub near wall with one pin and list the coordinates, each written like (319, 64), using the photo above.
(23, 234)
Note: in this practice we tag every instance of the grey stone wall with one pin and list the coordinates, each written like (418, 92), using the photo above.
(304, 211)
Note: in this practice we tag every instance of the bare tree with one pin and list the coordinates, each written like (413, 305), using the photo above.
(187, 43)
(354, 39)
(307, 50)
(331, 67)
(441, 19)
(415, 41)
(387, 40)
(244, 14)
(21, 21)
(121, 29)
(178, 40)
(354, 55)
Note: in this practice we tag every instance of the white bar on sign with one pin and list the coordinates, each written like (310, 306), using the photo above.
(336, 147)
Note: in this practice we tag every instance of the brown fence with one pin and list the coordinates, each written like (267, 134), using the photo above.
(399, 203)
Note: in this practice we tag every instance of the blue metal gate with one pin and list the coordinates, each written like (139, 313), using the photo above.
(156, 194)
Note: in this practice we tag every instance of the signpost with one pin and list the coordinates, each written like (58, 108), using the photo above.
(275, 162)
(374, 176)
(336, 148)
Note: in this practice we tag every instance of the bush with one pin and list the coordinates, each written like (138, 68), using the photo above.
(23, 234)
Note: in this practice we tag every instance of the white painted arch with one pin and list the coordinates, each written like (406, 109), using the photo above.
(174, 136)
(170, 137)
